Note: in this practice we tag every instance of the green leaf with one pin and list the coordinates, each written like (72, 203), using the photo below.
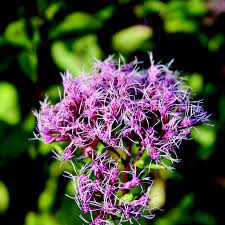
(150, 6)
(47, 197)
(76, 55)
(28, 124)
(204, 218)
(52, 10)
(196, 7)
(9, 110)
(69, 212)
(196, 82)
(4, 198)
(158, 194)
(16, 34)
(75, 22)
(216, 42)
(206, 135)
(28, 62)
(178, 23)
(187, 202)
(128, 197)
(106, 13)
(33, 218)
(132, 38)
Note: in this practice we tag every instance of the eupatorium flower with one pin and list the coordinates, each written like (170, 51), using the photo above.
(119, 105)
(104, 192)
(135, 114)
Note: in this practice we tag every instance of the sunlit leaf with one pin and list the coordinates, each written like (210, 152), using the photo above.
(77, 55)
(29, 123)
(196, 7)
(196, 82)
(4, 198)
(127, 197)
(158, 194)
(9, 110)
(132, 38)
(33, 218)
(206, 135)
(16, 34)
(148, 7)
(183, 25)
(47, 197)
(52, 10)
(75, 22)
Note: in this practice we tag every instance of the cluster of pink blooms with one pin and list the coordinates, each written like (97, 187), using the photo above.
(117, 106)
(98, 188)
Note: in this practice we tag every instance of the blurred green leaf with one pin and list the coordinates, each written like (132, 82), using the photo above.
(150, 6)
(47, 197)
(57, 168)
(216, 42)
(179, 214)
(132, 38)
(196, 7)
(205, 218)
(76, 55)
(69, 212)
(44, 149)
(28, 124)
(28, 62)
(53, 9)
(196, 82)
(158, 194)
(16, 34)
(4, 198)
(33, 218)
(206, 135)
(177, 24)
(75, 22)
(54, 92)
(9, 110)
(187, 202)
(106, 13)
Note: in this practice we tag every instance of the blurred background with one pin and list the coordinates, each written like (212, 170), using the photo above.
(41, 38)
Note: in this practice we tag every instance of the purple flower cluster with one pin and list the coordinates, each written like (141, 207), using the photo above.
(99, 187)
(121, 104)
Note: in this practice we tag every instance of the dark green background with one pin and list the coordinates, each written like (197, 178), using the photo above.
(40, 38)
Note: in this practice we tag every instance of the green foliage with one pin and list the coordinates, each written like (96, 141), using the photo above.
(33, 218)
(9, 111)
(4, 198)
(123, 42)
(128, 197)
(195, 81)
(179, 16)
(75, 22)
(72, 54)
(40, 38)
